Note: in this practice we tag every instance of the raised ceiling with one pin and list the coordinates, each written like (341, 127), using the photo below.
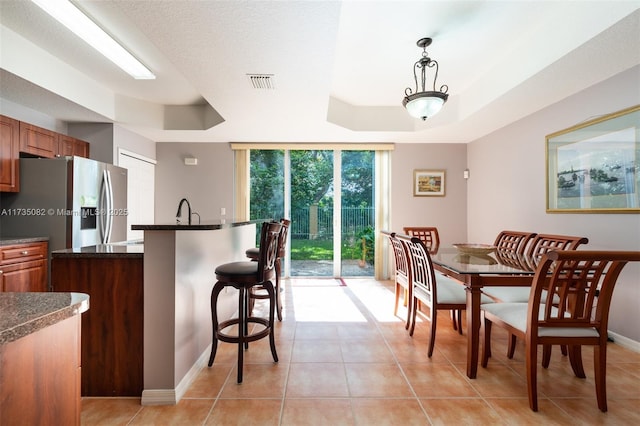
(339, 68)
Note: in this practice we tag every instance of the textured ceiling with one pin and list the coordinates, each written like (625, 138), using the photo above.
(339, 68)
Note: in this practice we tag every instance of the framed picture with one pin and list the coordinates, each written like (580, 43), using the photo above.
(428, 183)
(594, 167)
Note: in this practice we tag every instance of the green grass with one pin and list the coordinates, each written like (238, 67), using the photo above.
(318, 250)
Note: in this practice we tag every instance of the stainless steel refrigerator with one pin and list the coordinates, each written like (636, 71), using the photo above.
(74, 201)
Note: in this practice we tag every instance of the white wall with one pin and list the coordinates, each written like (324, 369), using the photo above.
(100, 138)
(506, 189)
(208, 186)
(106, 138)
(31, 116)
(125, 139)
(448, 213)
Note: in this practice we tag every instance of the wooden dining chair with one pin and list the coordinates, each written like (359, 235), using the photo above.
(435, 291)
(401, 275)
(428, 234)
(431, 239)
(583, 283)
(510, 250)
(539, 246)
(513, 244)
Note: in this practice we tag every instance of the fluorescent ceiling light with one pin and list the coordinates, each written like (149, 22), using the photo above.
(71, 17)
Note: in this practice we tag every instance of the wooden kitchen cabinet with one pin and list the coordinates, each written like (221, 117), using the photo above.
(9, 154)
(112, 330)
(68, 145)
(37, 141)
(45, 143)
(40, 376)
(23, 267)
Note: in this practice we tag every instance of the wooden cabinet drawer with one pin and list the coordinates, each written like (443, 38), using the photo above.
(22, 253)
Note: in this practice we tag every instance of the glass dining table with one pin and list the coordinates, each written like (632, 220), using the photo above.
(476, 271)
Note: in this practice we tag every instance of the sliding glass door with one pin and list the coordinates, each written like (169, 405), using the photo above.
(329, 195)
(312, 205)
(357, 213)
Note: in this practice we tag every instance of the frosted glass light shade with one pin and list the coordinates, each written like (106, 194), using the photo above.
(424, 104)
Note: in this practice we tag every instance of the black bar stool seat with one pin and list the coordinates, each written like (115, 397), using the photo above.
(252, 253)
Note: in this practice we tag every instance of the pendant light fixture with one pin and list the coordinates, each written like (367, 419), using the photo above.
(424, 104)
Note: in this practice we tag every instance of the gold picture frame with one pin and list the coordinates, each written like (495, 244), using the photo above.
(428, 183)
(594, 167)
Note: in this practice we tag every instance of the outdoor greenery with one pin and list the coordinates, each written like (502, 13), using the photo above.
(267, 184)
(323, 250)
(311, 180)
(367, 241)
(312, 250)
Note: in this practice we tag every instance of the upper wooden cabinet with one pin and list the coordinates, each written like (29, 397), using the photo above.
(19, 137)
(72, 146)
(38, 141)
(9, 154)
(41, 142)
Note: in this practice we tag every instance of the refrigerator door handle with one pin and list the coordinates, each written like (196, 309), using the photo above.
(101, 208)
(105, 208)
(109, 212)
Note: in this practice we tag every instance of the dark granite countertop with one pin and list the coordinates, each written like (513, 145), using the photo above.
(115, 250)
(6, 241)
(24, 313)
(204, 226)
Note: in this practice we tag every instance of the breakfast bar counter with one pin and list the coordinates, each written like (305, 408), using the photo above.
(179, 263)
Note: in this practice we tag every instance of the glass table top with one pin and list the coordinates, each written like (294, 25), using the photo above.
(491, 264)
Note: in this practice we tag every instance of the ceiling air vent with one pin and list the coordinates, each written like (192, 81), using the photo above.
(262, 81)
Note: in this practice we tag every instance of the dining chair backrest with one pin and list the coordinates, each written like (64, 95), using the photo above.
(402, 267)
(544, 243)
(511, 247)
(422, 272)
(513, 242)
(583, 282)
(428, 234)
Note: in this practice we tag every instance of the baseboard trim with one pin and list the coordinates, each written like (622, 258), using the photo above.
(625, 342)
(173, 396)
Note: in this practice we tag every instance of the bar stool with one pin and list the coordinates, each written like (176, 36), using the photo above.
(253, 253)
(243, 276)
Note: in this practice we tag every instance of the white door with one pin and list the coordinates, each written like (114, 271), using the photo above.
(140, 191)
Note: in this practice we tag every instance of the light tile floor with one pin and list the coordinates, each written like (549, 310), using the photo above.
(346, 360)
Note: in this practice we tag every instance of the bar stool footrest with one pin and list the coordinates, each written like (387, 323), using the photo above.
(249, 337)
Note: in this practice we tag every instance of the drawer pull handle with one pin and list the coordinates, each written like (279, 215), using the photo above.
(24, 252)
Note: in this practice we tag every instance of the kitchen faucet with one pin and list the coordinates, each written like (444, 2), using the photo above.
(179, 213)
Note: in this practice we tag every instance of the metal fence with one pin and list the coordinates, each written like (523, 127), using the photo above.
(317, 223)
